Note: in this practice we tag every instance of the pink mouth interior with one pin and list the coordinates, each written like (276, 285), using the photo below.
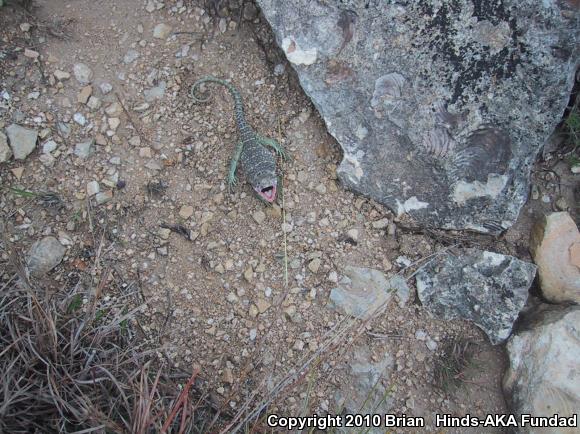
(269, 195)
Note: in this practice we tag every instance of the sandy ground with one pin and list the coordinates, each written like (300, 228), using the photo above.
(219, 300)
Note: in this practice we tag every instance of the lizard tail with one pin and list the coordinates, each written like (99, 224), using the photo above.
(209, 79)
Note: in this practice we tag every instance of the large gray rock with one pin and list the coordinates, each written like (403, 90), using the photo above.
(440, 106)
(44, 255)
(22, 140)
(364, 291)
(543, 378)
(484, 287)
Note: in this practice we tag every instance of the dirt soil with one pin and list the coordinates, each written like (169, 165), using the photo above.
(215, 295)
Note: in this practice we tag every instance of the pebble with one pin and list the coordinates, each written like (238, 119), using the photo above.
(431, 344)
(139, 108)
(262, 305)
(253, 334)
(279, 69)
(5, 151)
(156, 92)
(259, 216)
(61, 75)
(380, 224)
(161, 31)
(82, 73)
(44, 255)
(314, 265)
(353, 234)
(114, 109)
(249, 274)
(114, 123)
(131, 56)
(105, 88)
(25, 27)
(31, 54)
(84, 94)
(232, 298)
(164, 233)
(420, 335)
(321, 189)
(94, 103)
(333, 277)
(80, 119)
(186, 212)
(104, 197)
(93, 188)
(84, 149)
(145, 152)
(22, 140)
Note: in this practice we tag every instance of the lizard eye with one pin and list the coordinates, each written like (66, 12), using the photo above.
(267, 189)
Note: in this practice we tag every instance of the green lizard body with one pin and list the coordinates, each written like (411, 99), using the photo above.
(258, 163)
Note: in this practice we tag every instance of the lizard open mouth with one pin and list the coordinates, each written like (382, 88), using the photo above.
(268, 193)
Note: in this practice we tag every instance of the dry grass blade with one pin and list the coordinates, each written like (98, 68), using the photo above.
(81, 370)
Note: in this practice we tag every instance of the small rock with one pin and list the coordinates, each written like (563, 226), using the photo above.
(249, 274)
(114, 123)
(49, 146)
(145, 152)
(259, 216)
(333, 277)
(131, 56)
(31, 54)
(80, 119)
(262, 305)
(380, 224)
(104, 197)
(222, 25)
(162, 31)
(17, 172)
(105, 88)
(321, 188)
(5, 151)
(314, 265)
(421, 335)
(353, 234)
(114, 109)
(94, 103)
(82, 73)
(279, 69)
(92, 188)
(25, 27)
(47, 159)
(22, 140)
(61, 75)
(431, 344)
(156, 92)
(561, 204)
(84, 94)
(44, 255)
(164, 233)
(186, 212)
(555, 246)
(84, 149)
(361, 292)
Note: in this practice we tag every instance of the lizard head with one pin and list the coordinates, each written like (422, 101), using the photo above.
(266, 187)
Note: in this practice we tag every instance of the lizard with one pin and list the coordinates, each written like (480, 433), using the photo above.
(258, 163)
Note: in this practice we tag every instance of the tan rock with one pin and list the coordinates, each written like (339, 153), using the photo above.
(84, 94)
(186, 211)
(555, 245)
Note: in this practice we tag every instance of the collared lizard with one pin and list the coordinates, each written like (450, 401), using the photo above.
(258, 163)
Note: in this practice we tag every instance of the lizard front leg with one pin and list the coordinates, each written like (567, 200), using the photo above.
(266, 141)
(232, 180)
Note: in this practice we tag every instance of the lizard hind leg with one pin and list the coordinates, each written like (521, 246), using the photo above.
(266, 141)
(232, 180)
